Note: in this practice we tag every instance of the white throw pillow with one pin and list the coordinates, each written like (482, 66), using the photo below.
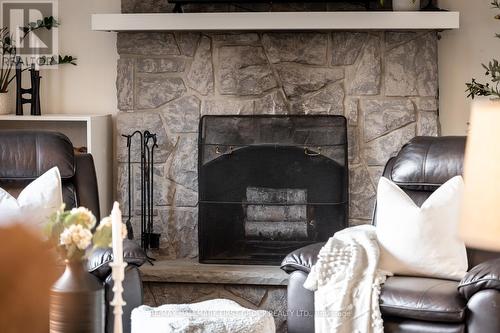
(421, 241)
(35, 203)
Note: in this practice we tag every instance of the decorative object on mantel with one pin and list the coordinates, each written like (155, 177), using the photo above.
(148, 141)
(475, 88)
(405, 5)
(77, 298)
(10, 59)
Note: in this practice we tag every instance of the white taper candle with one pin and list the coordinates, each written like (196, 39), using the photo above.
(116, 218)
(118, 267)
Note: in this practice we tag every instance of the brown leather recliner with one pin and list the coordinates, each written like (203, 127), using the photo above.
(415, 304)
(26, 155)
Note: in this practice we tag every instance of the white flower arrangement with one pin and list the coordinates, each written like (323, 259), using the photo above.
(104, 230)
(76, 235)
(73, 232)
(84, 216)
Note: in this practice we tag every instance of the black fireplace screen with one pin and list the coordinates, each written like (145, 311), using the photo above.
(269, 185)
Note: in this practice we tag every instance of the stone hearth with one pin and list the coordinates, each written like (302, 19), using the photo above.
(186, 281)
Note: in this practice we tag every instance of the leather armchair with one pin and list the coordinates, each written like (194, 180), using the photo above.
(133, 295)
(26, 155)
(415, 304)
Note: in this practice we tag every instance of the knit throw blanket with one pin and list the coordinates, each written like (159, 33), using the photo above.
(347, 283)
(213, 316)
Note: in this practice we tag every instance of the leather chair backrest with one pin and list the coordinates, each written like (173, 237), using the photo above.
(423, 165)
(26, 155)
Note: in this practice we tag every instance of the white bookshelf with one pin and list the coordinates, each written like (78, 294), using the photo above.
(95, 132)
(235, 21)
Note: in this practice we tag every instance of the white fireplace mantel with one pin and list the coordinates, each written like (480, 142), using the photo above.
(276, 21)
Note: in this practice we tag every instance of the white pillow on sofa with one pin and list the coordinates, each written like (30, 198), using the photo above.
(421, 241)
(35, 203)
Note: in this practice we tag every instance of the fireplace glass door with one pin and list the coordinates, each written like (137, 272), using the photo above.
(269, 185)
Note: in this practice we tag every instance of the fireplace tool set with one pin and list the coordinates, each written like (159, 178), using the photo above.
(148, 141)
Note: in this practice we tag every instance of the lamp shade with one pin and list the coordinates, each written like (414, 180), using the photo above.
(480, 219)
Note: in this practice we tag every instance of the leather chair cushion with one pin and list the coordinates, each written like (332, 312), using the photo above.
(302, 259)
(14, 187)
(99, 259)
(28, 154)
(422, 299)
(484, 276)
(401, 325)
(426, 163)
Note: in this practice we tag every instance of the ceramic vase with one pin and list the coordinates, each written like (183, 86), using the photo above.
(4, 103)
(405, 5)
(77, 301)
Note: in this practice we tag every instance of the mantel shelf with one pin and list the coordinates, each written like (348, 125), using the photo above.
(276, 21)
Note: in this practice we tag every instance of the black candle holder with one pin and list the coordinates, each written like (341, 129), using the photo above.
(34, 91)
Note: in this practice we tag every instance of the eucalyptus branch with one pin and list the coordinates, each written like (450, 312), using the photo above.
(48, 23)
(67, 59)
(475, 88)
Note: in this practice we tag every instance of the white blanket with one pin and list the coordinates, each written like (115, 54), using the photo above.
(347, 283)
(214, 316)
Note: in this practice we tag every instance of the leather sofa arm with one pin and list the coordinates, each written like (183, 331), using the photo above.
(99, 259)
(302, 259)
(484, 276)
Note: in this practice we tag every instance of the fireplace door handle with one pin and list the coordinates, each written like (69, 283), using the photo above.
(311, 153)
(218, 152)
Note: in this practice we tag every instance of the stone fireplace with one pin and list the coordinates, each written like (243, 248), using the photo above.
(384, 82)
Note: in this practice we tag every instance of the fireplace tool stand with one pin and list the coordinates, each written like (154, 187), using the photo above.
(148, 140)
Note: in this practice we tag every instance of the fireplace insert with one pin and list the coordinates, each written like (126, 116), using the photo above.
(269, 185)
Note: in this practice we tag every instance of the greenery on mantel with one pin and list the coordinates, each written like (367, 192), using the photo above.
(492, 88)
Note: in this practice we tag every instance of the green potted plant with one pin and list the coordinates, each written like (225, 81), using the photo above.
(492, 88)
(8, 58)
